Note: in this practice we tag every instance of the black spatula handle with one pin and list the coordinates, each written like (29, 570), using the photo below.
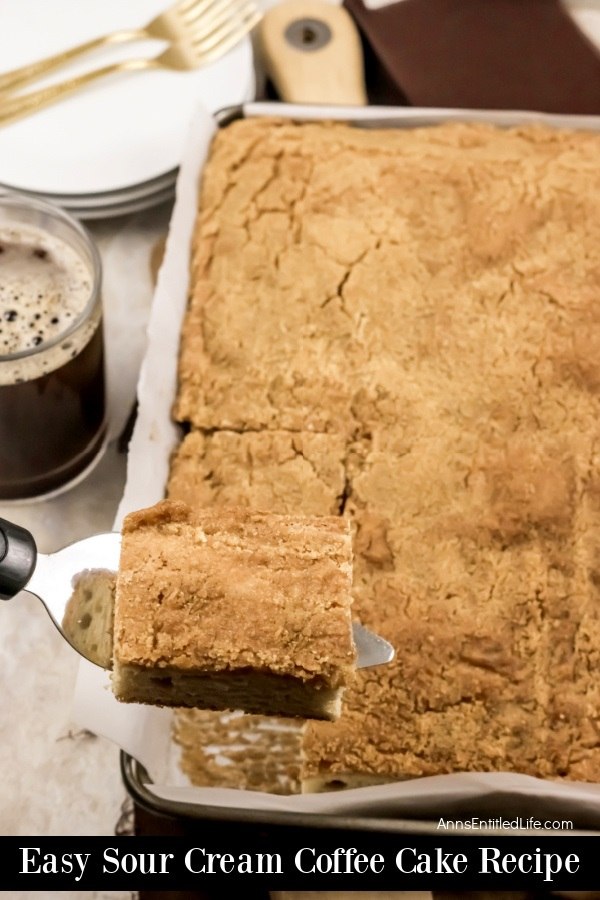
(18, 555)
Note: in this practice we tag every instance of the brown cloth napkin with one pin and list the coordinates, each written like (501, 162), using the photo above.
(479, 54)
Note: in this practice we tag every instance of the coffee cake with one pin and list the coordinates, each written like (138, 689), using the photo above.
(273, 470)
(425, 299)
(236, 750)
(232, 609)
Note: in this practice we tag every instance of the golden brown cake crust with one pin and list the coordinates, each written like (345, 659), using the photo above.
(327, 259)
(230, 590)
(305, 470)
(430, 298)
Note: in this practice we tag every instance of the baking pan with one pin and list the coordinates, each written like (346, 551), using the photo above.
(139, 787)
(146, 459)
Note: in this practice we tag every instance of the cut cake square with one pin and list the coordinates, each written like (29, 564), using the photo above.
(230, 609)
(275, 471)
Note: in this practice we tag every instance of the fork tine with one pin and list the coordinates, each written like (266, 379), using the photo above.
(215, 10)
(221, 29)
(229, 40)
(202, 18)
(192, 9)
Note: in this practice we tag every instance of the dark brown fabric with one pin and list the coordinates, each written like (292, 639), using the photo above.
(494, 54)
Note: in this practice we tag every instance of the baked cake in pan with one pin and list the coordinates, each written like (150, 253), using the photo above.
(403, 326)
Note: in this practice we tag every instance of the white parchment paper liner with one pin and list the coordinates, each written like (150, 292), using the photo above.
(144, 732)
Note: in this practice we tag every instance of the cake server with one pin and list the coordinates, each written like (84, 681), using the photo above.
(52, 578)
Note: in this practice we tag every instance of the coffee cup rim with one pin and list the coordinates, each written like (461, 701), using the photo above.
(16, 199)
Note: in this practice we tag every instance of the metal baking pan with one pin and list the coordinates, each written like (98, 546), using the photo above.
(135, 777)
(139, 787)
(398, 116)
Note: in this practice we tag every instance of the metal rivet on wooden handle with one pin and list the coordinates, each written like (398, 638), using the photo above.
(312, 53)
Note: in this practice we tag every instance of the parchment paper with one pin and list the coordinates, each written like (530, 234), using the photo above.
(144, 732)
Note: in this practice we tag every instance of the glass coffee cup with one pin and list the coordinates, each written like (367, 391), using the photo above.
(52, 378)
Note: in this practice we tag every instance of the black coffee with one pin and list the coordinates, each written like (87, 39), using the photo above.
(52, 403)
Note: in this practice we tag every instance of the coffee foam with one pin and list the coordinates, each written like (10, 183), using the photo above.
(45, 286)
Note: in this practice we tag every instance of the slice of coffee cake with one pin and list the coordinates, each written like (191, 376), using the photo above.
(230, 609)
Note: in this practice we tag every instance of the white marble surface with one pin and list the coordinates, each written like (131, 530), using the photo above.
(59, 781)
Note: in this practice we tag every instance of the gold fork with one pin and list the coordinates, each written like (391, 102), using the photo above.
(230, 21)
(174, 24)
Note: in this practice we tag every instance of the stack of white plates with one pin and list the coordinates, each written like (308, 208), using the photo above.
(114, 147)
(110, 203)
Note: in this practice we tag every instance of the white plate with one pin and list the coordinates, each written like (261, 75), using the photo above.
(125, 207)
(108, 198)
(122, 131)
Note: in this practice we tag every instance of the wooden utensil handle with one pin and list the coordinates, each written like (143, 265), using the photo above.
(305, 64)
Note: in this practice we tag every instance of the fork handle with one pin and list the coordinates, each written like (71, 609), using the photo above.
(18, 78)
(18, 556)
(17, 107)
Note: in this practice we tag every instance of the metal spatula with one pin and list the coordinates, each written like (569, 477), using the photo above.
(52, 579)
